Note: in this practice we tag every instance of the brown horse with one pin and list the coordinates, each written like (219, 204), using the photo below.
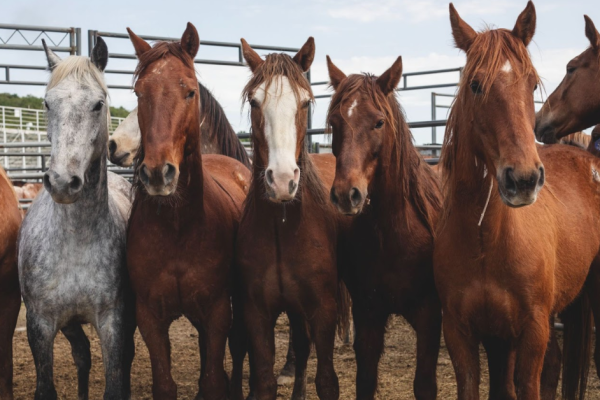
(184, 219)
(381, 178)
(577, 139)
(10, 294)
(507, 260)
(575, 104)
(287, 245)
(594, 143)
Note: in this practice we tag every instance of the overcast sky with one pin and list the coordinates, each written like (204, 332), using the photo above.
(358, 35)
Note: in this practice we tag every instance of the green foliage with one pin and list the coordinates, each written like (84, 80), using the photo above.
(13, 100)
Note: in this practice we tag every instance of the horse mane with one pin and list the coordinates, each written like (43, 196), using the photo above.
(402, 171)
(487, 55)
(215, 120)
(80, 68)
(577, 139)
(160, 50)
(279, 64)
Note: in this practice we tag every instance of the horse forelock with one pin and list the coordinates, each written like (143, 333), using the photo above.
(81, 69)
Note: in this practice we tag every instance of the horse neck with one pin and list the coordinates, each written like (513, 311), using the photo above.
(191, 176)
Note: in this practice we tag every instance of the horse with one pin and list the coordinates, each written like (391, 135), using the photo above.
(72, 242)
(575, 103)
(577, 139)
(184, 219)
(286, 252)
(218, 137)
(10, 294)
(394, 199)
(507, 260)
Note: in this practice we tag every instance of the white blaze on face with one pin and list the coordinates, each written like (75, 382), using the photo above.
(352, 107)
(507, 67)
(279, 106)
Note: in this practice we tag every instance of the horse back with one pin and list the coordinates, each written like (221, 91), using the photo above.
(325, 164)
(9, 229)
(230, 175)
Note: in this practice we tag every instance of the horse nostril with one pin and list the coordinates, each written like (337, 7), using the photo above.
(296, 174)
(292, 186)
(333, 197)
(75, 184)
(542, 177)
(169, 172)
(510, 184)
(112, 147)
(145, 175)
(47, 183)
(355, 197)
(269, 176)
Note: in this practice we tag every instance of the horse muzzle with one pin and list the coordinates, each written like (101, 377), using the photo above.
(64, 188)
(159, 181)
(519, 189)
(348, 202)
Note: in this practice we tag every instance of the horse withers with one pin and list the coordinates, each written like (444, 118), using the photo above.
(393, 199)
(519, 228)
(185, 216)
(575, 103)
(72, 242)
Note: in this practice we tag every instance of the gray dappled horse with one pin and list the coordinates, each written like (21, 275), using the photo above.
(72, 262)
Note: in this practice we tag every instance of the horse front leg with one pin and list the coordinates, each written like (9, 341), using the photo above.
(287, 373)
(501, 364)
(552, 365)
(531, 349)
(260, 329)
(111, 328)
(426, 320)
(300, 341)
(41, 334)
(217, 325)
(464, 353)
(80, 350)
(10, 298)
(368, 347)
(323, 327)
(155, 332)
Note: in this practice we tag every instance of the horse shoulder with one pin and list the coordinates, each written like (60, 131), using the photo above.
(231, 175)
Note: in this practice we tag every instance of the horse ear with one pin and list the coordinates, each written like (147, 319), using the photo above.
(190, 41)
(305, 56)
(139, 44)
(53, 59)
(525, 26)
(390, 78)
(464, 35)
(252, 58)
(592, 33)
(100, 54)
(336, 76)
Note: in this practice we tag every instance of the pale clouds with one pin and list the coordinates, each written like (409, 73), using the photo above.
(414, 11)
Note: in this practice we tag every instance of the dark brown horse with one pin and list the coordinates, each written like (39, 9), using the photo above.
(575, 104)
(10, 294)
(381, 178)
(287, 244)
(184, 219)
(520, 226)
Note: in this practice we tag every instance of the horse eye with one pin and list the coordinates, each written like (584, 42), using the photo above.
(570, 69)
(535, 87)
(46, 104)
(98, 106)
(191, 94)
(379, 124)
(254, 103)
(306, 104)
(476, 88)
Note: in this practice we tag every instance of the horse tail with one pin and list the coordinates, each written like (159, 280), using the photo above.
(577, 346)
(344, 302)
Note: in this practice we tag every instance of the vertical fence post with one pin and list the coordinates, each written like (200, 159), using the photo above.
(78, 41)
(309, 121)
(39, 135)
(4, 131)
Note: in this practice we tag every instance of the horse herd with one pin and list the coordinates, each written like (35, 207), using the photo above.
(501, 239)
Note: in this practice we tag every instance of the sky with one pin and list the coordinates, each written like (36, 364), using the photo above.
(359, 36)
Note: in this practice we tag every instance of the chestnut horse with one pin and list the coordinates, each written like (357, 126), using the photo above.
(575, 104)
(287, 245)
(184, 219)
(507, 260)
(381, 178)
(10, 293)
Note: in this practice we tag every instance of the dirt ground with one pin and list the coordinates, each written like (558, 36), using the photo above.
(395, 372)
